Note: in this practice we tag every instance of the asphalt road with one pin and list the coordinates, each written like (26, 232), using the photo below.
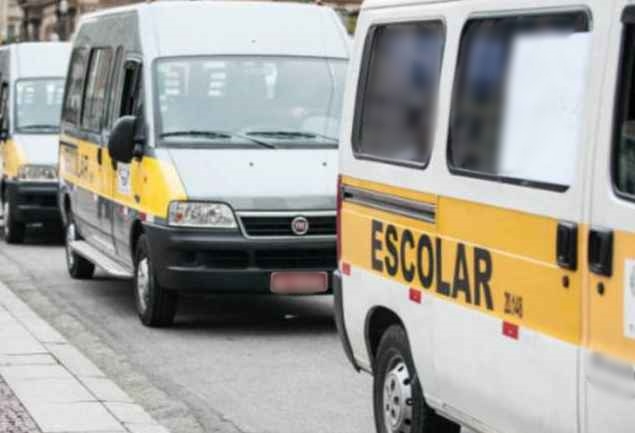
(230, 364)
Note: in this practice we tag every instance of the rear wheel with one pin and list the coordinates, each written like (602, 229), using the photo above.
(156, 305)
(13, 231)
(399, 404)
(78, 267)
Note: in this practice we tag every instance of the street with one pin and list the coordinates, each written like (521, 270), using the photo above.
(230, 364)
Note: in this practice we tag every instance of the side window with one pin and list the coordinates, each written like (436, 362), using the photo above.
(75, 86)
(518, 99)
(113, 91)
(398, 91)
(624, 148)
(96, 88)
(132, 93)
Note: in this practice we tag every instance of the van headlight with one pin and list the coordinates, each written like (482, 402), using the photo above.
(201, 214)
(38, 173)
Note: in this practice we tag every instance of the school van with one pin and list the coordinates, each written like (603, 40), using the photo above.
(206, 160)
(32, 86)
(487, 215)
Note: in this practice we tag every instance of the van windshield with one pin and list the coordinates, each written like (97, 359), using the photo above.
(266, 102)
(38, 105)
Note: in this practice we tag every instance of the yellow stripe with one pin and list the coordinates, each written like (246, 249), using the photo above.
(12, 158)
(154, 183)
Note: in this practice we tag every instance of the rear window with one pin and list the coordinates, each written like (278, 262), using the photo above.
(398, 92)
(518, 99)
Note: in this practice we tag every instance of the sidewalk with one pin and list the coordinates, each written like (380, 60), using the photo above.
(48, 386)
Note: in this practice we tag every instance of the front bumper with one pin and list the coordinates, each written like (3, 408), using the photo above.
(33, 202)
(215, 261)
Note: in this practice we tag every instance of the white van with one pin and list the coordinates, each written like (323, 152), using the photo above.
(198, 149)
(487, 215)
(32, 79)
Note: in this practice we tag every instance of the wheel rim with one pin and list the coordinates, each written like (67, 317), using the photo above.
(143, 284)
(7, 222)
(397, 399)
(71, 236)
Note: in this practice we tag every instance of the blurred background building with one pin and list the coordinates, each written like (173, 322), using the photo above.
(45, 20)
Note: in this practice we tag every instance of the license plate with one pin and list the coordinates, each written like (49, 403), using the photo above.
(299, 283)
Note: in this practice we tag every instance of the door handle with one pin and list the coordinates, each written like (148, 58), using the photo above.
(99, 156)
(567, 245)
(601, 251)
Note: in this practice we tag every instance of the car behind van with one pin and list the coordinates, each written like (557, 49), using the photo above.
(32, 87)
(487, 214)
(203, 161)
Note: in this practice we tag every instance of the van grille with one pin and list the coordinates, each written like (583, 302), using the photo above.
(281, 225)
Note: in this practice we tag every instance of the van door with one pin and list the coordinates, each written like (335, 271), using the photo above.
(98, 211)
(123, 176)
(509, 328)
(609, 361)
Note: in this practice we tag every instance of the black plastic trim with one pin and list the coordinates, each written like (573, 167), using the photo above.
(340, 322)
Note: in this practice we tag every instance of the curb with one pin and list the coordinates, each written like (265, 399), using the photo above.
(62, 390)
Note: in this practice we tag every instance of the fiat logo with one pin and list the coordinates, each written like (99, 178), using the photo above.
(300, 226)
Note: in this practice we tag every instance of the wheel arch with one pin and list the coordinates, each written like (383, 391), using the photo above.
(136, 230)
(378, 320)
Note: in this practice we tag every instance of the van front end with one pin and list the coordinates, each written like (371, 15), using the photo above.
(260, 252)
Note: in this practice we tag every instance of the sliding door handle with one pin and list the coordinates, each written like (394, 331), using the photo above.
(567, 245)
(601, 251)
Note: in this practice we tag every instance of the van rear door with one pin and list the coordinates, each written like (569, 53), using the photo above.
(609, 361)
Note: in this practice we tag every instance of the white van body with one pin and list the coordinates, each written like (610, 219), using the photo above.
(33, 75)
(239, 57)
(526, 326)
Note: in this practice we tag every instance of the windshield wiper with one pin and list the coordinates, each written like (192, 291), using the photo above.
(215, 135)
(39, 126)
(290, 135)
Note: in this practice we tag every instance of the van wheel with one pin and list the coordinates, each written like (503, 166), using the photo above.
(155, 304)
(78, 267)
(399, 404)
(13, 231)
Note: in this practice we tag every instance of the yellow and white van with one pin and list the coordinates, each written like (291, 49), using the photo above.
(32, 80)
(205, 159)
(487, 214)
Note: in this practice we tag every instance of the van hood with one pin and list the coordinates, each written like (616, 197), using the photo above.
(263, 180)
(41, 149)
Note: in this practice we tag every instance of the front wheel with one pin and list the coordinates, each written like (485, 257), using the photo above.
(78, 267)
(399, 403)
(13, 231)
(156, 305)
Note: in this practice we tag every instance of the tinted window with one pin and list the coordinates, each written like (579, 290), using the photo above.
(398, 91)
(75, 85)
(38, 105)
(484, 122)
(96, 88)
(624, 163)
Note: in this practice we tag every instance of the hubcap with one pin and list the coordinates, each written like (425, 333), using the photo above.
(143, 284)
(397, 402)
(70, 237)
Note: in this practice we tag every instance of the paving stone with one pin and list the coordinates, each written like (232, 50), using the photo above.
(74, 417)
(129, 413)
(105, 390)
(74, 360)
(55, 390)
(146, 428)
(22, 372)
(35, 359)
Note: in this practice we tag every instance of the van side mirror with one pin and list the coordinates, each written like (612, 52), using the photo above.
(121, 144)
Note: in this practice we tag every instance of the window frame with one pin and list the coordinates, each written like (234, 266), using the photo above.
(362, 85)
(457, 171)
(628, 19)
(93, 51)
(77, 121)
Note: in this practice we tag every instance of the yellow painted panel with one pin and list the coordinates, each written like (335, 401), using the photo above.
(153, 183)
(12, 158)
(477, 256)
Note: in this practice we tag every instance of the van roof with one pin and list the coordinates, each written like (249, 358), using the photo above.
(186, 28)
(30, 56)
(373, 4)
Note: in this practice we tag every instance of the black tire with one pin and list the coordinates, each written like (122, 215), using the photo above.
(156, 305)
(398, 399)
(78, 267)
(13, 231)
